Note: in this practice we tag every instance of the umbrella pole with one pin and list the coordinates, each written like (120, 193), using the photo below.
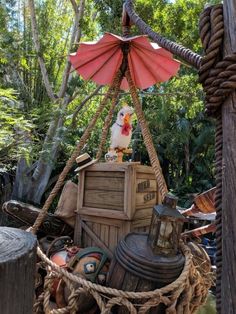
(147, 137)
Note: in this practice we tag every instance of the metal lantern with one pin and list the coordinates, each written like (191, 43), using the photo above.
(166, 227)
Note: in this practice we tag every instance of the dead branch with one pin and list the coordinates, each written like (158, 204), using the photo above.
(81, 105)
(75, 38)
(37, 46)
(74, 5)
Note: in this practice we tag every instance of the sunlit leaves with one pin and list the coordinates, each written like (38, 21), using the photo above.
(15, 129)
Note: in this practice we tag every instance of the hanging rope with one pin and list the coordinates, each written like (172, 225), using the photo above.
(219, 81)
(147, 137)
(211, 34)
(180, 51)
(114, 87)
(107, 124)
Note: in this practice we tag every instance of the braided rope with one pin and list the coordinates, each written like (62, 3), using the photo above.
(180, 51)
(115, 85)
(210, 19)
(147, 137)
(48, 282)
(218, 79)
(38, 304)
(107, 124)
(179, 282)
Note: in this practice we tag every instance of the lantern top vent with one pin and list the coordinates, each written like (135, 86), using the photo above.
(168, 208)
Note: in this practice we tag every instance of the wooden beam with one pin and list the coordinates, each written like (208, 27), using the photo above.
(228, 274)
(17, 270)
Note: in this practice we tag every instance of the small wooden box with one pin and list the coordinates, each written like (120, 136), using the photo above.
(116, 190)
(113, 200)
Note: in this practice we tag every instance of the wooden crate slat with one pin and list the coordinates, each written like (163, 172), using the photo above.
(146, 199)
(104, 183)
(146, 176)
(142, 222)
(143, 213)
(107, 174)
(146, 185)
(113, 237)
(104, 199)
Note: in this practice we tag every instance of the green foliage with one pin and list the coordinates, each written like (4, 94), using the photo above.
(15, 129)
(209, 307)
(183, 135)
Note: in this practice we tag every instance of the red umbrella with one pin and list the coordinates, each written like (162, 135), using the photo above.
(148, 63)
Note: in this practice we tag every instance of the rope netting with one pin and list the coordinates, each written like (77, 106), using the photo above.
(184, 295)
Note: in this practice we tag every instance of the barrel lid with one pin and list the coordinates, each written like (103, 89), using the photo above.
(136, 256)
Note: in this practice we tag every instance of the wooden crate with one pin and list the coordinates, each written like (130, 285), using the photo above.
(116, 190)
(113, 200)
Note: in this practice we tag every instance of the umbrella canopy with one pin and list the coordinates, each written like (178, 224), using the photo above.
(148, 63)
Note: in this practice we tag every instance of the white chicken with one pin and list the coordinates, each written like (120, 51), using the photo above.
(121, 131)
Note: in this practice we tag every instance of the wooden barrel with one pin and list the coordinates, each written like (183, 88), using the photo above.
(136, 268)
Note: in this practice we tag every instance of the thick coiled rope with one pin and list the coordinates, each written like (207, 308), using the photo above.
(219, 80)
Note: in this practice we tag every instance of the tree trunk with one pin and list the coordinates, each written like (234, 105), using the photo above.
(228, 275)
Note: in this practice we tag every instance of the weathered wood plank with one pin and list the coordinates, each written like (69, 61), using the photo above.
(143, 213)
(146, 185)
(17, 270)
(113, 236)
(228, 275)
(104, 183)
(146, 199)
(96, 239)
(145, 176)
(104, 199)
(107, 174)
(141, 223)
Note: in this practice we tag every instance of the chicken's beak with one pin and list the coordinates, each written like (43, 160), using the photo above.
(127, 118)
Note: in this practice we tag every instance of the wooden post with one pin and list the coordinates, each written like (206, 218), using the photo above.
(17, 271)
(228, 274)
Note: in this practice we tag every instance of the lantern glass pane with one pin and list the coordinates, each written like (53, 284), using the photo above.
(164, 239)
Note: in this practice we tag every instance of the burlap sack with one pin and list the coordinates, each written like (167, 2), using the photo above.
(67, 204)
